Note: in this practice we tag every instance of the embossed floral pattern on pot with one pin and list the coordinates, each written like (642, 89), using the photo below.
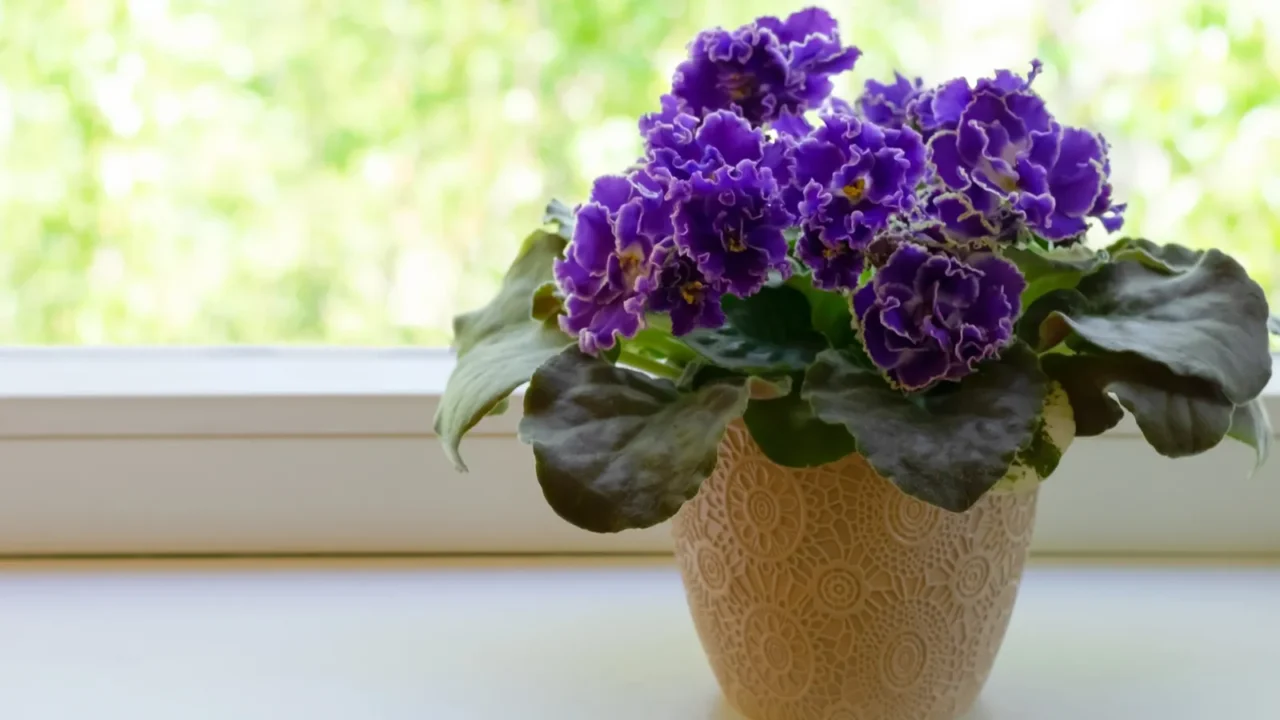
(841, 598)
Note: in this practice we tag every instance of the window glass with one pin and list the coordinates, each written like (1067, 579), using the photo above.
(357, 171)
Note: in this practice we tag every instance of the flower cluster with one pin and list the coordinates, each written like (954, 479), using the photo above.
(706, 211)
(999, 154)
(702, 217)
(763, 69)
(929, 316)
(614, 237)
(852, 177)
(902, 199)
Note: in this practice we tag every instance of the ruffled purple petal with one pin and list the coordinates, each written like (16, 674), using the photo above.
(730, 223)
(677, 287)
(851, 178)
(928, 316)
(998, 135)
(918, 369)
(611, 191)
(730, 137)
(887, 104)
(764, 70)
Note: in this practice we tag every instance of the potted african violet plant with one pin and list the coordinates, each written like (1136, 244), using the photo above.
(842, 344)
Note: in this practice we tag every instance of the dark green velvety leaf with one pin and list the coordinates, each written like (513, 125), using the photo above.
(1178, 415)
(616, 449)
(1251, 426)
(1094, 409)
(1032, 328)
(500, 345)
(1207, 322)
(948, 448)
(829, 312)
(514, 302)
(769, 332)
(560, 215)
(487, 374)
(1039, 458)
(790, 435)
(698, 374)
(1168, 258)
(1050, 270)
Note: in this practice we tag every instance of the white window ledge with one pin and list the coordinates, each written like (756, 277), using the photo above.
(581, 640)
(264, 450)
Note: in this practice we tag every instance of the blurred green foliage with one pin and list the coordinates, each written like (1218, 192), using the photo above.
(357, 172)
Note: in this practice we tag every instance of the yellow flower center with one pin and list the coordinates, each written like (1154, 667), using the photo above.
(691, 291)
(630, 261)
(739, 85)
(832, 252)
(855, 190)
(733, 240)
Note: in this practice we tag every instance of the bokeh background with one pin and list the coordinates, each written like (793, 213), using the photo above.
(357, 171)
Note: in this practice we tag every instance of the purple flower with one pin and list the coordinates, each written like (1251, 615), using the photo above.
(610, 252)
(681, 145)
(998, 152)
(940, 108)
(764, 68)
(677, 287)
(928, 316)
(886, 105)
(730, 222)
(852, 177)
(792, 126)
(1080, 185)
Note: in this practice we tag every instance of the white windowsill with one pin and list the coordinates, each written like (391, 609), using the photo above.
(571, 640)
(322, 450)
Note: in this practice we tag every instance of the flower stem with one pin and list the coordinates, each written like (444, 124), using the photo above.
(649, 365)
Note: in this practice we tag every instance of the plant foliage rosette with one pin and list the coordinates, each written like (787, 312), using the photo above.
(904, 276)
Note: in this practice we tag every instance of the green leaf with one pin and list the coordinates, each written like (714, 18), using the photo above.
(699, 374)
(947, 448)
(759, 388)
(829, 312)
(514, 302)
(769, 332)
(1050, 270)
(661, 343)
(616, 449)
(546, 302)
(491, 371)
(1178, 415)
(1251, 426)
(501, 406)
(1036, 461)
(790, 435)
(1095, 411)
(1033, 329)
(1207, 322)
(1168, 258)
(560, 215)
(500, 345)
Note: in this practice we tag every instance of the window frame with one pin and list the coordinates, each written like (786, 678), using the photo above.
(267, 451)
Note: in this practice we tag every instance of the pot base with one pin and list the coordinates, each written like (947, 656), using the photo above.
(828, 594)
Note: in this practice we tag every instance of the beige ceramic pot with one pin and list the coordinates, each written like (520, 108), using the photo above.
(828, 594)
